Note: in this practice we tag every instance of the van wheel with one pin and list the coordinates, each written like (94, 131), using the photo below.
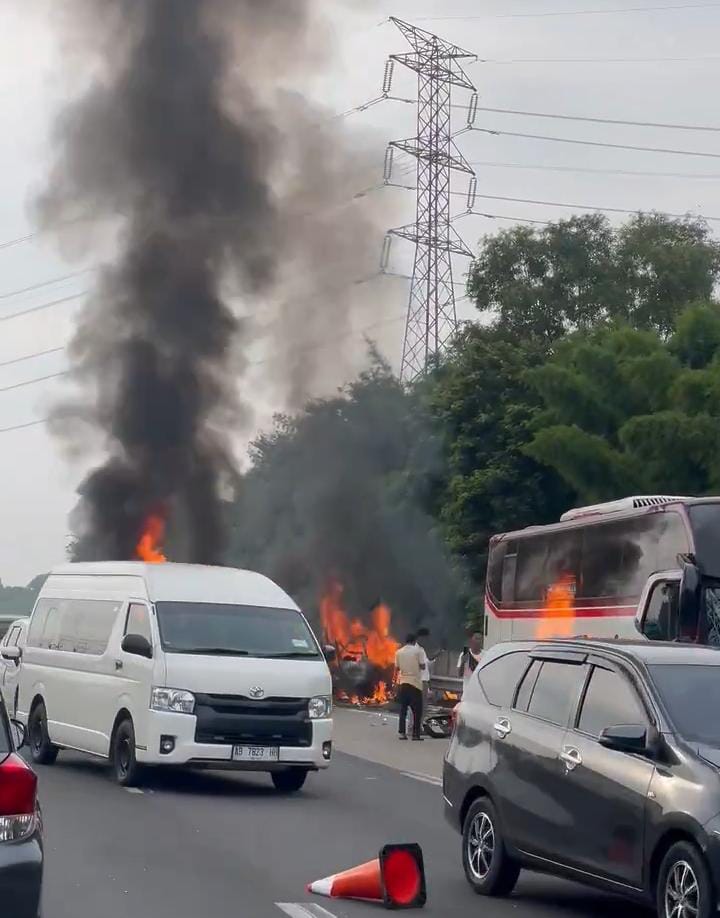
(488, 867)
(684, 888)
(124, 763)
(42, 751)
(290, 780)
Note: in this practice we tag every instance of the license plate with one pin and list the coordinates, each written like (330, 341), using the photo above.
(255, 754)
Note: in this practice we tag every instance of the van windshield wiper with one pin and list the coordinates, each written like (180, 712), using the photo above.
(291, 654)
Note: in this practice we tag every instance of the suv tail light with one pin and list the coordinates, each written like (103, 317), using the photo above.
(18, 799)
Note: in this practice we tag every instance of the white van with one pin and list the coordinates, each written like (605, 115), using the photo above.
(175, 664)
(11, 648)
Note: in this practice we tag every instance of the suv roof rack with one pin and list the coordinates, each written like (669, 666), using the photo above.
(625, 503)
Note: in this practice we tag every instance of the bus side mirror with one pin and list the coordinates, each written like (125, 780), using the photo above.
(689, 599)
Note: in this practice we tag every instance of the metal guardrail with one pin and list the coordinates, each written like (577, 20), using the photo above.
(446, 684)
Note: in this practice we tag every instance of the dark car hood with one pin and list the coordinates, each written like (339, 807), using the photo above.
(710, 754)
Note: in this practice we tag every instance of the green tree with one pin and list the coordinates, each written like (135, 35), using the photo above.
(576, 273)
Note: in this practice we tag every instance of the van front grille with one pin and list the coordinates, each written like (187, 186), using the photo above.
(229, 719)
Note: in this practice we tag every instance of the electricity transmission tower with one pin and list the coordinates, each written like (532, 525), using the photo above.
(431, 319)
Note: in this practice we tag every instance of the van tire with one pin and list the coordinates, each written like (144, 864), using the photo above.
(42, 751)
(124, 763)
(290, 780)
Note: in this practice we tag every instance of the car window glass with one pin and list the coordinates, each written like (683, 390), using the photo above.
(661, 618)
(13, 636)
(527, 685)
(500, 677)
(138, 621)
(609, 701)
(556, 691)
(37, 623)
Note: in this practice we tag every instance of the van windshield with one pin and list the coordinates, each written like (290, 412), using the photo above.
(229, 630)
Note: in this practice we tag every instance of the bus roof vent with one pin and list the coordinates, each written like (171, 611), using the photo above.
(617, 506)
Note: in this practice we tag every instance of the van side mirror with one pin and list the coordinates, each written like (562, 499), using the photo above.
(138, 645)
(689, 599)
(625, 738)
(19, 733)
(11, 653)
(329, 652)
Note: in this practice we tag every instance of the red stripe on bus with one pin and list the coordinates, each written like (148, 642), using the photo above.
(577, 612)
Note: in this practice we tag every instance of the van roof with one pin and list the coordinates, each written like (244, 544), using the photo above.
(172, 582)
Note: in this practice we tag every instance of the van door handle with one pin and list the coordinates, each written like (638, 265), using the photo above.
(502, 727)
(118, 664)
(571, 757)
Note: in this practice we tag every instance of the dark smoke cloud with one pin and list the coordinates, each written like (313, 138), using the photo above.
(232, 195)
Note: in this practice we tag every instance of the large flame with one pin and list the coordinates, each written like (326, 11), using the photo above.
(149, 546)
(356, 642)
(558, 614)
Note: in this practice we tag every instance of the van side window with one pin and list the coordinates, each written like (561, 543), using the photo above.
(95, 620)
(500, 677)
(37, 623)
(138, 621)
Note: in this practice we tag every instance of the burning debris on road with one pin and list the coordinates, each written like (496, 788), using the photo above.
(365, 652)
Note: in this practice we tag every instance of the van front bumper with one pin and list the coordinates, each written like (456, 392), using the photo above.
(186, 751)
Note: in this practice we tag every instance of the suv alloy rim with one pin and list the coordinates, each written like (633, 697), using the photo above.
(682, 897)
(481, 847)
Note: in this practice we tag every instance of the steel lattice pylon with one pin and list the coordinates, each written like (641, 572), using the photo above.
(432, 319)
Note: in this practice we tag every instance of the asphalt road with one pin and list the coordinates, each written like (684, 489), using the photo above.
(214, 844)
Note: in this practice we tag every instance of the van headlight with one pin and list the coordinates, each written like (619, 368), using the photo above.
(172, 699)
(319, 707)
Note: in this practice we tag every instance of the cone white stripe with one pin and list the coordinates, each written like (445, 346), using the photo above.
(323, 887)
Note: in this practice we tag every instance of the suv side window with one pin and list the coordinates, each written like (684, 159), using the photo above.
(556, 691)
(500, 677)
(527, 685)
(610, 701)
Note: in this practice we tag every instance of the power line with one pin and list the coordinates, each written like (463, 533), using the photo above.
(612, 210)
(595, 143)
(37, 379)
(48, 283)
(24, 426)
(706, 176)
(52, 350)
(596, 120)
(603, 60)
(586, 12)
(41, 306)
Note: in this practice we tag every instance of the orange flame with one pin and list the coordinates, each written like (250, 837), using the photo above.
(559, 611)
(149, 546)
(355, 641)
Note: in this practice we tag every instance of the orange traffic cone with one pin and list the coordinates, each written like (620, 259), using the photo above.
(396, 878)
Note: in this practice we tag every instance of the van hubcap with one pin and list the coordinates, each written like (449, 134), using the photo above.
(681, 892)
(481, 846)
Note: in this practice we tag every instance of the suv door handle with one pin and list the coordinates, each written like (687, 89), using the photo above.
(502, 727)
(571, 757)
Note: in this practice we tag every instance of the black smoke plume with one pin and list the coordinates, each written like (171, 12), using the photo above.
(225, 188)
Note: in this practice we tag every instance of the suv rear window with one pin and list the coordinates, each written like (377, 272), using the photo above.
(500, 678)
(556, 691)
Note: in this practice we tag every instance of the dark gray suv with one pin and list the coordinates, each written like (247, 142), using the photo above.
(594, 760)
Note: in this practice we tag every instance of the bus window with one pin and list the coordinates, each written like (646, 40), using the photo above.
(508, 574)
(495, 570)
(531, 576)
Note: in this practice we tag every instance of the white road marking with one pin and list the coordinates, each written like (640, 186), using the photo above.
(134, 790)
(427, 779)
(304, 910)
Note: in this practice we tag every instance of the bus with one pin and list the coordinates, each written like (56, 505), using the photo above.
(641, 565)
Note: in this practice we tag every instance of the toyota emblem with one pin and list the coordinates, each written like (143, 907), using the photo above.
(257, 692)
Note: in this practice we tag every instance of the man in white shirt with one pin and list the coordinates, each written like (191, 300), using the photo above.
(424, 633)
(409, 664)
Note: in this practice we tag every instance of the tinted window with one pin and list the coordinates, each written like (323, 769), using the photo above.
(705, 524)
(495, 567)
(690, 696)
(213, 628)
(531, 575)
(661, 619)
(610, 700)
(556, 691)
(527, 685)
(500, 678)
(74, 625)
(138, 621)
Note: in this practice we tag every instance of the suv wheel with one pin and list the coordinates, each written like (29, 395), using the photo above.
(684, 888)
(125, 765)
(42, 750)
(488, 867)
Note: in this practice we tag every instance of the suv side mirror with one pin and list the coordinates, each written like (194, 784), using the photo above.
(19, 733)
(625, 738)
(137, 645)
(329, 652)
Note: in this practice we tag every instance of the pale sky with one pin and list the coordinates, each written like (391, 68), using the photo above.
(527, 68)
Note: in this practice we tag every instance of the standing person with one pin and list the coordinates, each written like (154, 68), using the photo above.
(469, 658)
(425, 675)
(409, 665)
